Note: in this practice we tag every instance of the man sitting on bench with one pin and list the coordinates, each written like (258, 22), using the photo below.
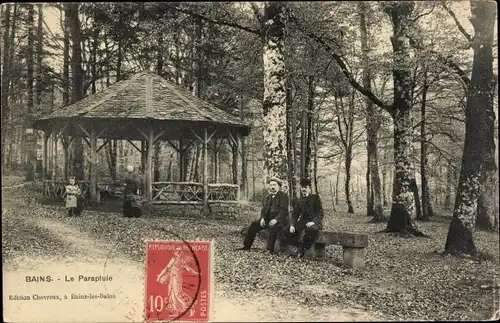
(307, 215)
(273, 216)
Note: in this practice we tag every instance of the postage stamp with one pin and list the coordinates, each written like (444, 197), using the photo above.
(178, 281)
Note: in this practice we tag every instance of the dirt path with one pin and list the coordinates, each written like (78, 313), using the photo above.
(87, 256)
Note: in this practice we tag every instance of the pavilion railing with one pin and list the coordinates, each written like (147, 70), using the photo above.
(163, 192)
(56, 189)
(192, 193)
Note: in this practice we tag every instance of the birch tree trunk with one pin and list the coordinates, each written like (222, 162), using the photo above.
(403, 201)
(274, 106)
(478, 112)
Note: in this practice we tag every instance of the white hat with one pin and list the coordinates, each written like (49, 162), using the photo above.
(130, 168)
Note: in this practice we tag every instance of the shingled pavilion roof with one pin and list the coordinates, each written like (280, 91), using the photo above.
(146, 97)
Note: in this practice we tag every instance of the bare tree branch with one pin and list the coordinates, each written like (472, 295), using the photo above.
(217, 22)
(444, 60)
(459, 25)
(348, 74)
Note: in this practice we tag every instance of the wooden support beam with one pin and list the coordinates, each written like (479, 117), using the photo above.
(145, 135)
(177, 149)
(182, 160)
(149, 165)
(217, 145)
(133, 145)
(55, 139)
(196, 135)
(158, 136)
(87, 141)
(67, 143)
(104, 144)
(59, 133)
(83, 130)
(93, 164)
(233, 140)
(100, 133)
(206, 210)
(216, 150)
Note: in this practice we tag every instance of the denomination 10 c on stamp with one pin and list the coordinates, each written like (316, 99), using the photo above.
(178, 281)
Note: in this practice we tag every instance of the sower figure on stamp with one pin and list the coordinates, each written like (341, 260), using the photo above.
(307, 218)
(178, 300)
(73, 197)
(130, 194)
(273, 216)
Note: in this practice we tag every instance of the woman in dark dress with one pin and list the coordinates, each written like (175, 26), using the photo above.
(130, 194)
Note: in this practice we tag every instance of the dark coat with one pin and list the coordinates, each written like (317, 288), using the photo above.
(307, 209)
(275, 208)
(131, 185)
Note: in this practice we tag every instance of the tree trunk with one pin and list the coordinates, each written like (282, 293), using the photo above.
(418, 205)
(337, 181)
(314, 134)
(347, 184)
(66, 83)
(39, 56)
(426, 202)
(309, 125)
(369, 196)
(71, 11)
(5, 76)
(450, 174)
(291, 131)
(93, 66)
(31, 138)
(374, 189)
(479, 109)
(403, 202)
(157, 147)
(274, 106)
(487, 204)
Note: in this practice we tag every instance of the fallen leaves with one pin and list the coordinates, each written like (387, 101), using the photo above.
(404, 278)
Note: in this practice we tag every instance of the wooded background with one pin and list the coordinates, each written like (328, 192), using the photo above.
(382, 104)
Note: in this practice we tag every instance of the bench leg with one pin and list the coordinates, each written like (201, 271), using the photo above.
(319, 250)
(354, 257)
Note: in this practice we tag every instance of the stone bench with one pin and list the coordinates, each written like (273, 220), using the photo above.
(353, 247)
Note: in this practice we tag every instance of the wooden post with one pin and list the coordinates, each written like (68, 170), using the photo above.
(216, 162)
(93, 164)
(45, 154)
(244, 168)
(236, 173)
(181, 160)
(206, 210)
(55, 155)
(149, 165)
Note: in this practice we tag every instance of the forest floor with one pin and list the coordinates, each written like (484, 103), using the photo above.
(404, 278)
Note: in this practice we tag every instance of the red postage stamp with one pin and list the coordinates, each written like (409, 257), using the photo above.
(178, 281)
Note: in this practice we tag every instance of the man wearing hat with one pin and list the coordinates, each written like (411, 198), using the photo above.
(307, 216)
(273, 216)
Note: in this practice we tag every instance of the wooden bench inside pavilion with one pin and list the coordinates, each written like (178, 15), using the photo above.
(148, 108)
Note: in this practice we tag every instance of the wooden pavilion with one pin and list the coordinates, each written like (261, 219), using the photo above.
(148, 108)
